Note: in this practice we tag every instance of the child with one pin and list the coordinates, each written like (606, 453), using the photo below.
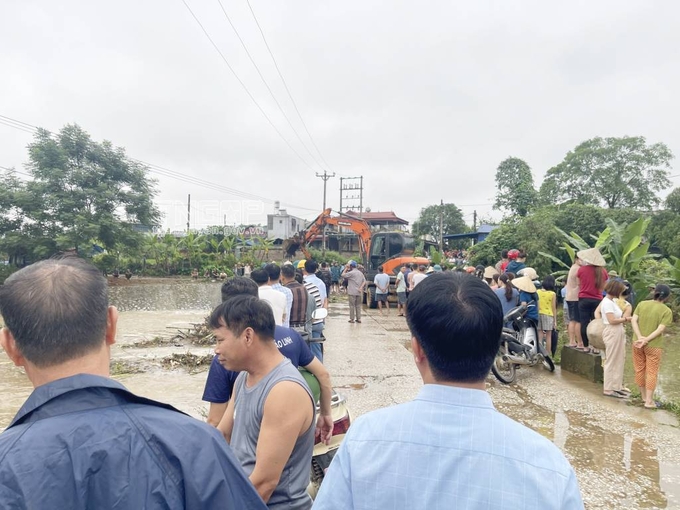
(547, 310)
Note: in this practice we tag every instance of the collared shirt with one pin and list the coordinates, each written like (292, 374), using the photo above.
(355, 279)
(289, 301)
(86, 442)
(448, 448)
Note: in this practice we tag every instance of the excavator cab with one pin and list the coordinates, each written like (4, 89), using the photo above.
(385, 245)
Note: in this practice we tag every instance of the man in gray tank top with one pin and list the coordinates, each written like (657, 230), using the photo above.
(269, 420)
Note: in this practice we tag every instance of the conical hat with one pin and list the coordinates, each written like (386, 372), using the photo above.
(592, 256)
(524, 283)
(489, 272)
(529, 272)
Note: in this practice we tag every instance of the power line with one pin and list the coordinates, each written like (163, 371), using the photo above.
(224, 59)
(166, 172)
(286, 85)
(271, 93)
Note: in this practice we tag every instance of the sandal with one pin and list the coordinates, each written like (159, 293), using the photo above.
(655, 406)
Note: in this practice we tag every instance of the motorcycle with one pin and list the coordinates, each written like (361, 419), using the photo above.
(323, 454)
(519, 346)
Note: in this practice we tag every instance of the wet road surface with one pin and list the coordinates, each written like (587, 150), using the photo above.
(624, 456)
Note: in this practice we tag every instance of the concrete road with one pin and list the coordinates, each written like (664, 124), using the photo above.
(624, 456)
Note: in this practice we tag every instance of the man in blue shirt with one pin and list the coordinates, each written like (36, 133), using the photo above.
(449, 448)
(81, 440)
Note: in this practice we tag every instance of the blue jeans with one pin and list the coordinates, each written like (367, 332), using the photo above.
(315, 347)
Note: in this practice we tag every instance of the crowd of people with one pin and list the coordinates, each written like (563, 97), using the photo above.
(592, 297)
(83, 441)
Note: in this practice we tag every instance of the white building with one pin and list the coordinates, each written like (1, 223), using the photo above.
(282, 225)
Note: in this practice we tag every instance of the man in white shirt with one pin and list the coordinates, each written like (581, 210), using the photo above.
(272, 296)
(382, 289)
(274, 273)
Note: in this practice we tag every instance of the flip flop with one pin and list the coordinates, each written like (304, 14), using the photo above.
(614, 395)
(622, 393)
(625, 390)
(655, 406)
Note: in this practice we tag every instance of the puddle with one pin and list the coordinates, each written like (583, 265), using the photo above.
(627, 467)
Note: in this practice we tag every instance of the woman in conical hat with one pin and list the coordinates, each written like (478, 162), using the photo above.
(592, 277)
(592, 257)
(527, 296)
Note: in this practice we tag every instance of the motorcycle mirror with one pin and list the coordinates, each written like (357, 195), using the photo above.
(319, 313)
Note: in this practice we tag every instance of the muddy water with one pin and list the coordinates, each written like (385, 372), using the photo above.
(628, 471)
(146, 311)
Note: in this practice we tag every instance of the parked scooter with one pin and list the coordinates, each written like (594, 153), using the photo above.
(323, 454)
(519, 346)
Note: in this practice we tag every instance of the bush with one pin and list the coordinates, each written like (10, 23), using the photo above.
(331, 256)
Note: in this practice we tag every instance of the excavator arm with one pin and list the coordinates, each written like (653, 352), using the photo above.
(315, 228)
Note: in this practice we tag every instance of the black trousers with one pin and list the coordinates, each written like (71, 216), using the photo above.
(586, 312)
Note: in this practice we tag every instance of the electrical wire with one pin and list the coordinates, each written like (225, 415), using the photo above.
(271, 93)
(243, 85)
(166, 172)
(286, 85)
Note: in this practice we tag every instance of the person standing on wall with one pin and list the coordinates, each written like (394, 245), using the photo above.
(592, 277)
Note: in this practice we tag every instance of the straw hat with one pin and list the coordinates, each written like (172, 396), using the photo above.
(524, 283)
(529, 272)
(592, 256)
(489, 272)
(430, 270)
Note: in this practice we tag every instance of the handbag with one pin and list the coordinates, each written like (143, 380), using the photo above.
(594, 332)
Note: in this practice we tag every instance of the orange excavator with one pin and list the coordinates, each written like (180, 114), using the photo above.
(391, 250)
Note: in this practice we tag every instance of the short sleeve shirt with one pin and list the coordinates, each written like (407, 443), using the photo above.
(609, 306)
(650, 315)
(381, 280)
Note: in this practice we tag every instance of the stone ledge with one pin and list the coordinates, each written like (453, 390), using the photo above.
(582, 363)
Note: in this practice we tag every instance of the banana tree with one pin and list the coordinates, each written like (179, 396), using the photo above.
(192, 245)
(622, 245)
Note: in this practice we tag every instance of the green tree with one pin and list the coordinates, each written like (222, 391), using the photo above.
(673, 201)
(515, 187)
(428, 221)
(664, 233)
(615, 172)
(83, 190)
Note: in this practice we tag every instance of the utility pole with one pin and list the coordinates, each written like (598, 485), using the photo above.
(441, 226)
(188, 212)
(325, 176)
(474, 221)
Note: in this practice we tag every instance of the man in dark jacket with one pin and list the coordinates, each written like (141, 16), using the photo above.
(81, 440)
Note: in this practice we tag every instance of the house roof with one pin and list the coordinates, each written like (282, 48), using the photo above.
(483, 230)
(379, 217)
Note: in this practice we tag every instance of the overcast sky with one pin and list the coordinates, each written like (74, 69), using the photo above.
(423, 99)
